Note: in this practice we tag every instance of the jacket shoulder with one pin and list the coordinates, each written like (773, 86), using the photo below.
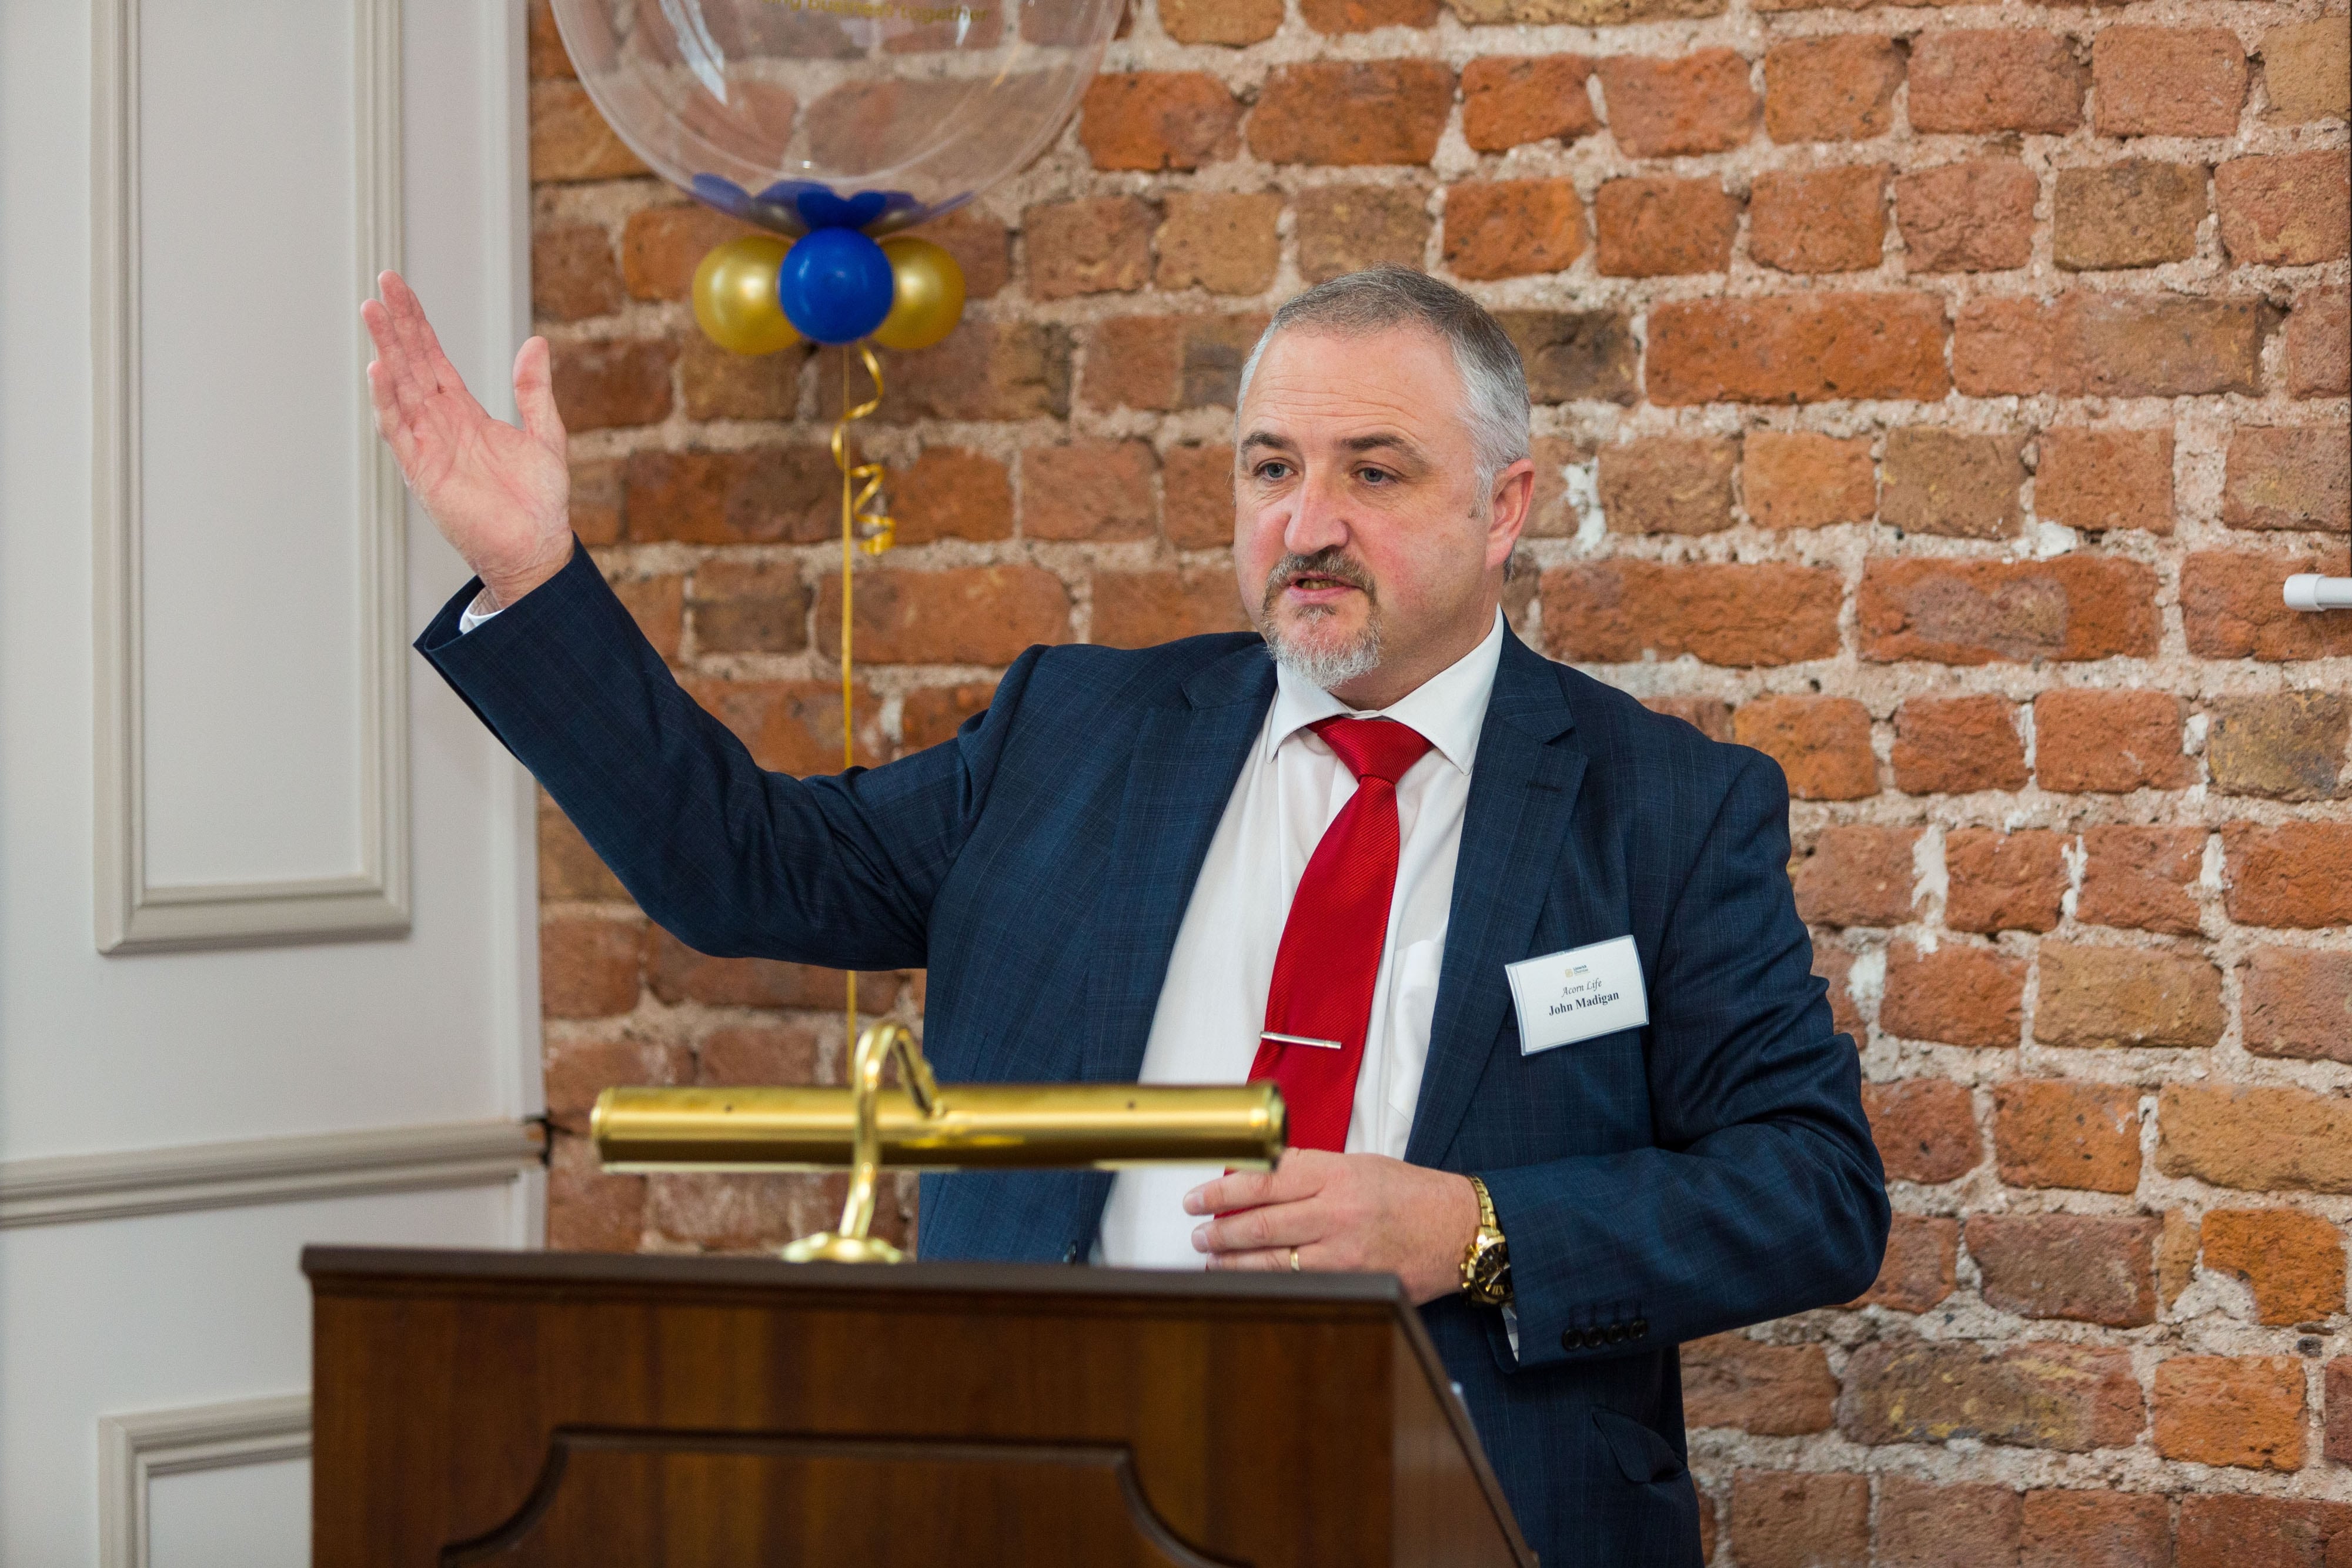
(1148, 678)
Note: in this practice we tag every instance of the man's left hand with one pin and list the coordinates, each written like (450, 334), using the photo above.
(1348, 1212)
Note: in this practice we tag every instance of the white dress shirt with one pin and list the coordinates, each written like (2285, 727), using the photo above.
(1213, 1003)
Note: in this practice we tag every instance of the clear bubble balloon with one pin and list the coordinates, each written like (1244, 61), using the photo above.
(807, 114)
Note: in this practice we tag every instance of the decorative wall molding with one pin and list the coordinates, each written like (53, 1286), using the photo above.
(134, 1450)
(134, 914)
(64, 1188)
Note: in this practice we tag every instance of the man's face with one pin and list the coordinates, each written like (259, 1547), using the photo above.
(1369, 554)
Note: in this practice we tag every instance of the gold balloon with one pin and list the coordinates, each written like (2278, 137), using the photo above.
(735, 296)
(927, 299)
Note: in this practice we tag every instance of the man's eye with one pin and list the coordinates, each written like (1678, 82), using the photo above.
(1274, 472)
(1375, 476)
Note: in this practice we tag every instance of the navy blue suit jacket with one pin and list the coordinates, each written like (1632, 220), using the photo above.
(1710, 1170)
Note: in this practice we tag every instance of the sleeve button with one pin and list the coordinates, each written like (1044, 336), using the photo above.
(1640, 1327)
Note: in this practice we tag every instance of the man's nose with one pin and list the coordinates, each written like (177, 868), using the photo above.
(1317, 518)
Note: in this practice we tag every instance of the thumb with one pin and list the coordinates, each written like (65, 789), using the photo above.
(535, 396)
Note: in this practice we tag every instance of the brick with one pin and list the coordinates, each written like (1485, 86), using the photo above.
(608, 384)
(589, 968)
(2287, 875)
(1956, 994)
(1578, 13)
(2338, 1441)
(2238, 1532)
(1926, 1129)
(1138, 608)
(1615, 611)
(2004, 882)
(951, 493)
(1510, 101)
(2054, 1133)
(1168, 362)
(792, 726)
(2168, 82)
(1151, 120)
(1087, 490)
(2292, 1261)
(2319, 343)
(730, 1212)
(1809, 348)
(1654, 227)
(1833, 965)
(2256, 1140)
(1688, 104)
(677, 973)
(1220, 241)
(1552, 512)
(1838, 88)
(1857, 876)
(2175, 1256)
(657, 604)
(1783, 1520)
(1766, 1390)
(1987, 79)
(930, 716)
(1233, 23)
(749, 606)
(1100, 245)
(2101, 479)
(1346, 228)
(1924, 1526)
(2141, 878)
(2109, 742)
(572, 273)
(597, 509)
(2033, 1395)
(1711, 717)
(966, 615)
(2091, 1268)
(2108, 345)
(2130, 212)
(2071, 607)
(661, 247)
(588, 1210)
(1334, 17)
(570, 141)
(545, 44)
(2240, 1411)
(1352, 113)
(2230, 607)
(1953, 482)
(1976, 216)
(2297, 1002)
(2288, 477)
(1819, 220)
(1574, 356)
(717, 384)
(2083, 1529)
(2291, 210)
(1798, 480)
(1512, 228)
(1922, 1254)
(1197, 487)
(578, 1071)
(984, 369)
(1955, 744)
(1668, 484)
(769, 1053)
(2113, 998)
(568, 868)
(773, 496)
(2307, 69)
(982, 245)
(1823, 744)
(2288, 747)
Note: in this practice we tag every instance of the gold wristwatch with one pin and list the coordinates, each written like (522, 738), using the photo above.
(1487, 1261)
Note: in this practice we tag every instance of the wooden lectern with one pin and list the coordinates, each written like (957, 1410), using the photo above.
(651, 1412)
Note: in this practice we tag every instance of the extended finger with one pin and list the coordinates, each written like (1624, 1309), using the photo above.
(429, 368)
(408, 386)
(1299, 1175)
(535, 396)
(1274, 1225)
(389, 423)
(1270, 1259)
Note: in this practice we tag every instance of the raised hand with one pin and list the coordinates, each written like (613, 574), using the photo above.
(499, 494)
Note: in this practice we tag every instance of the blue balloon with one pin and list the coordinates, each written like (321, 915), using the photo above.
(834, 286)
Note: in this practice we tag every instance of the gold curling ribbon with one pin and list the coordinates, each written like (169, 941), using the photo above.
(868, 527)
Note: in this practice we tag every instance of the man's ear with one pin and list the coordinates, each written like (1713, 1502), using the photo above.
(1513, 499)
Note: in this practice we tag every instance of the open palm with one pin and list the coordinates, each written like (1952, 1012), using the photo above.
(498, 495)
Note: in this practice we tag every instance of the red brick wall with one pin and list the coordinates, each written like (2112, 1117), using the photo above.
(1935, 399)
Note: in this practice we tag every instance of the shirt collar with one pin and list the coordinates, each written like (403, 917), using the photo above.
(1449, 708)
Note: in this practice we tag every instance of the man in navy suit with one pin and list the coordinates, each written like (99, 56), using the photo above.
(1522, 954)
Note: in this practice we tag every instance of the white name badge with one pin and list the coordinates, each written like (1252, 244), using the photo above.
(1567, 997)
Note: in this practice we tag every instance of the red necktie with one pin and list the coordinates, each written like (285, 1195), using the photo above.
(1331, 944)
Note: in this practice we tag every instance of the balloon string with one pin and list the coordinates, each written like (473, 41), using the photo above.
(863, 526)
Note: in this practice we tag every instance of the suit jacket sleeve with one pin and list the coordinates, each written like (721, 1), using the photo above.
(1762, 1194)
(732, 858)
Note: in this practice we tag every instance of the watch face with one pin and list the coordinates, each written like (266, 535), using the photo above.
(1492, 1268)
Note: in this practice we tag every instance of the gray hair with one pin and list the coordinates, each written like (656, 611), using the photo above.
(1494, 382)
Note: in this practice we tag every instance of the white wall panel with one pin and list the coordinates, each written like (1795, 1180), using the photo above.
(243, 1516)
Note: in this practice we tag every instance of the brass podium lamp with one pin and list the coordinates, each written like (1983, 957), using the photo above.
(921, 1126)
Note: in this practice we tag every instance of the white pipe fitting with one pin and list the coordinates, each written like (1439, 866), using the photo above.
(2309, 591)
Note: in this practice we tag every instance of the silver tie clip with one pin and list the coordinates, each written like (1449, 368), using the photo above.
(1302, 1040)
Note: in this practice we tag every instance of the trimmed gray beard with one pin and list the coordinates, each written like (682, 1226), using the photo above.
(1326, 667)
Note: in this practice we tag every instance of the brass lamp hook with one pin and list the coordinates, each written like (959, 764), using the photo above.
(877, 1045)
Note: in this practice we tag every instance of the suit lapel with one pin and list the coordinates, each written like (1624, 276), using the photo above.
(1523, 787)
(1181, 773)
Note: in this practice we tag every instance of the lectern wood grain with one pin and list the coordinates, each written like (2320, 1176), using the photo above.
(688, 1413)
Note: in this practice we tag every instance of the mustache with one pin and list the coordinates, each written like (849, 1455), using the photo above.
(1331, 562)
